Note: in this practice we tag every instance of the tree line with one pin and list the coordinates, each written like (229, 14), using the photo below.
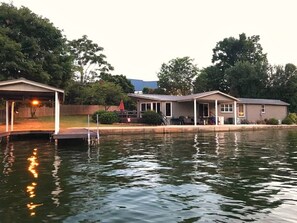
(33, 48)
(239, 68)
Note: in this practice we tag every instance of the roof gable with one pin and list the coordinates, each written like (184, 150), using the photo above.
(26, 85)
(22, 89)
(209, 95)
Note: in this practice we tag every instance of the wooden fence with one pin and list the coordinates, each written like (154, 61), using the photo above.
(24, 112)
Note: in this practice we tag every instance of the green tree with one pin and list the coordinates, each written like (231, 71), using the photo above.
(231, 50)
(209, 79)
(120, 80)
(247, 80)
(31, 47)
(283, 84)
(102, 93)
(74, 94)
(89, 60)
(176, 77)
(147, 90)
(241, 53)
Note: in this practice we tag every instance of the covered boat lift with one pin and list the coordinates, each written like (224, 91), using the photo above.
(25, 90)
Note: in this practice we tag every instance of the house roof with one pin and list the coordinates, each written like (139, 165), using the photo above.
(258, 101)
(158, 97)
(20, 89)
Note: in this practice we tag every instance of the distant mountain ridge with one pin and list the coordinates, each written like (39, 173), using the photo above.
(140, 84)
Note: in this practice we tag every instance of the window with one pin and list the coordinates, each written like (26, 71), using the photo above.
(146, 106)
(262, 108)
(241, 110)
(168, 109)
(227, 108)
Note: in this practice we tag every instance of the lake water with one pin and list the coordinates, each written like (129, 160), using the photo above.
(204, 177)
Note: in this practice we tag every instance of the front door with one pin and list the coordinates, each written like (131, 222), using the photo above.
(203, 110)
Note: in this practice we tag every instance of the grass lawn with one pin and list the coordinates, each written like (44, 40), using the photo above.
(48, 123)
(70, 121)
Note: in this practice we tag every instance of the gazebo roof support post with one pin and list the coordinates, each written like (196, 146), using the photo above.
(57, 113)
(195, 112)
(216, 111)
(7, 115)
(12, 116)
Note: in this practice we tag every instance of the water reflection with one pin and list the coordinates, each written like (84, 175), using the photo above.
(31, 188)
(33, 163)
(202, 177)
(8, 159)
(58, 189)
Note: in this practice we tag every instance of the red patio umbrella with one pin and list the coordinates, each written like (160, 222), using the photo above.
(121, 106)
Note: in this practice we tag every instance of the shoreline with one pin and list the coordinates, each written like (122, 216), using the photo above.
(83, 132)
(130, 130)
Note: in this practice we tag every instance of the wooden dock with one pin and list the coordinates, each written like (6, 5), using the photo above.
(81, 133)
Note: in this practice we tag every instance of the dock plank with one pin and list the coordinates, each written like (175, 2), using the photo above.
(75, 134)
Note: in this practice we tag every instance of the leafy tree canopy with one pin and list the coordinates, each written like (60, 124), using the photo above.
(283, 84)
(102, 93)
(247, 80)
(147, 90)
(231, 50)
(235, 63)
(31, 47)
(120, 80)
(89, 60)
(176, 77)
(209, 79)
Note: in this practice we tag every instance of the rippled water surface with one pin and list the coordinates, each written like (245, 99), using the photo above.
(204, 177)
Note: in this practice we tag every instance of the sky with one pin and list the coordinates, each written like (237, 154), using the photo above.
(138, 36)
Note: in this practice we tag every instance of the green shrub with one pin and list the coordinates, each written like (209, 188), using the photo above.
(272, 121)
(293, 117)
(108, 118)
(261, 122)
(100, 112)
(105, 117)
(151, 118)
(287, 121)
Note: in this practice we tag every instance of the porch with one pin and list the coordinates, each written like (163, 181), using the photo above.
(207, 108)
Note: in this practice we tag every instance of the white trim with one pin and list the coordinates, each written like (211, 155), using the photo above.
(195, 112)
(224, 104)
(57, 113)
(263, 109)
(235, 114)
(216, 111)
(151, 103)
(33, 83)
(170, 109)
(7, 116)
(243, 108)
(12, 116)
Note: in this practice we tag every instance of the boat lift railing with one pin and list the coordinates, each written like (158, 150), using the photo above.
(97, 130)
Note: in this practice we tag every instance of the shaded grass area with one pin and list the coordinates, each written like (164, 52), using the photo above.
(48, 123)
(70, 121)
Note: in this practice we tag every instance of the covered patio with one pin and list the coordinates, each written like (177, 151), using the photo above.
(198, 108)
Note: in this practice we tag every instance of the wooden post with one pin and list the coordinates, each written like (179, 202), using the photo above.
(7, 116)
